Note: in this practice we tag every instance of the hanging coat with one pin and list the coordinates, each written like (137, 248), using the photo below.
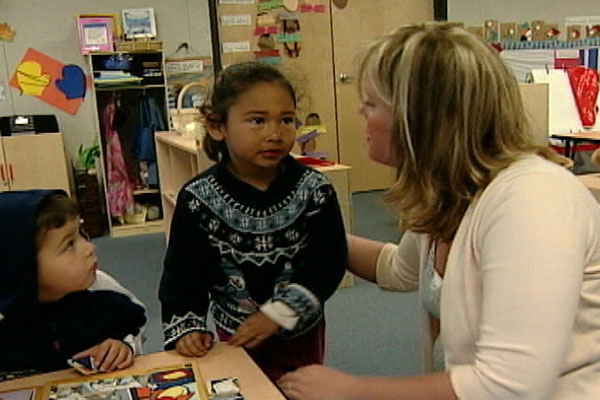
(149, 121)
(120, 189)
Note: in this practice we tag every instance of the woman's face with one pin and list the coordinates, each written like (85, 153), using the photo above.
(378, 116)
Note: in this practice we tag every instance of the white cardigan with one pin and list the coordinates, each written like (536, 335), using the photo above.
(520, 305)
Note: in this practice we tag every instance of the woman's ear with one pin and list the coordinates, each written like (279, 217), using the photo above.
(215, 129)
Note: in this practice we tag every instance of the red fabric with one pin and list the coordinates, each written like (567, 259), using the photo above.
(277, 357)
(315, 162)
(579, 147)
(584, 83)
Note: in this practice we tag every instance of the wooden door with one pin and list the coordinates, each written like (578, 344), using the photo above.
(36, 162)
(357, 22)
(4, 177)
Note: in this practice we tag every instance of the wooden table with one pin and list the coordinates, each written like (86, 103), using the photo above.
(221, 362)
(571, 139)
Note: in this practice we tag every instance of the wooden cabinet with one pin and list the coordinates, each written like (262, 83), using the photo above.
(180, 159)
(33, 162)
(134, 82)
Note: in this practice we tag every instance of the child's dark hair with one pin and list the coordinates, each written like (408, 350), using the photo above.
(229, 84)
(53, 212)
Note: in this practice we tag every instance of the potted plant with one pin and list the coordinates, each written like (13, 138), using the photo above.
(86, 158)
(87, 189)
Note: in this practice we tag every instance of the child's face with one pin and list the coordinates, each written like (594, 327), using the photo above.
(260, 130)
(66, 262)
(378, 117)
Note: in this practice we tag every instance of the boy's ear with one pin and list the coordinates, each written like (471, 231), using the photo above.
(215, 129)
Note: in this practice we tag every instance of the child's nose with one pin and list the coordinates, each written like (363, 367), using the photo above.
(274, 131)
(91, 248)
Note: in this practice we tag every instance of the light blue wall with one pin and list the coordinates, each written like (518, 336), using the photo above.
(49, 26)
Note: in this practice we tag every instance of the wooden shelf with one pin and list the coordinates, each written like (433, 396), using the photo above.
(145, 191)
(138, 229)
(104, 88)
(171, 198)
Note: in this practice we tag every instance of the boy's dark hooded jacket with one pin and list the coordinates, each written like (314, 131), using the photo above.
(40, 337)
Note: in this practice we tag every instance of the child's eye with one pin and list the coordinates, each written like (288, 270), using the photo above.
(257, 120)
(70, 245)
(289, 120)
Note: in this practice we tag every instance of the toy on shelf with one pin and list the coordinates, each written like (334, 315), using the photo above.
(307, 136)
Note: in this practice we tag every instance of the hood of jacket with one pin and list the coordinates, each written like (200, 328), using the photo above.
(18, 269)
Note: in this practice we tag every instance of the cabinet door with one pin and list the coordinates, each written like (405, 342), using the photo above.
(4, 178)
(36, 162)
(352, 25)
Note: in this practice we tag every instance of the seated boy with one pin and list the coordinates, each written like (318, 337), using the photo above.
(54, 303)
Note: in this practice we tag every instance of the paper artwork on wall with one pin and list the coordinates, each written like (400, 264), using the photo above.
(236, 47)
(236, 20)
(6, 33)
(236, 1)
(62, 86)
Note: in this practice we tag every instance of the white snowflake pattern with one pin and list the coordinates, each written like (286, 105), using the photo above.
(264, 243)
(245, 222)
(235, 238)
(194, 205)
(213, 225)
(319, 197)
(292, 235)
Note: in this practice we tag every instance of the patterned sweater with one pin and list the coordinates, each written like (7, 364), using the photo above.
(237, 247)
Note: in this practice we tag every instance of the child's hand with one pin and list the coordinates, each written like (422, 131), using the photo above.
(109, 355)
(194, 344)
(254, 331)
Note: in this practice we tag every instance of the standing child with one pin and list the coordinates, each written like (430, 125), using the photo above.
(47, 313)
(258, 234)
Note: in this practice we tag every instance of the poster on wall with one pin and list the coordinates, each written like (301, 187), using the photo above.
(62, 86)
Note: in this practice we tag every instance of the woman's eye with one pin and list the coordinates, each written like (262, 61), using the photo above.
(367, 103)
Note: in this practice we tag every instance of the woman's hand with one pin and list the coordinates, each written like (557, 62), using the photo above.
(316, 382)
(194, 344)
(254, 331)
(109, 355)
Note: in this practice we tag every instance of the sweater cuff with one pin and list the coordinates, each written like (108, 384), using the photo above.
(384, 275)
(181, 326)
(301, 300)
(281, 313)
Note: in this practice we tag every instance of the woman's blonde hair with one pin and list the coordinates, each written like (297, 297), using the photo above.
(458, 119)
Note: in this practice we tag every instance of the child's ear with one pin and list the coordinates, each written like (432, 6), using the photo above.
(215, 129)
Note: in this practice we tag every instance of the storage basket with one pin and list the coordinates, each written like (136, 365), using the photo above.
(188, 121)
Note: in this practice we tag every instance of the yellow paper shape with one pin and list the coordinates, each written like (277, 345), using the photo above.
(30, 78)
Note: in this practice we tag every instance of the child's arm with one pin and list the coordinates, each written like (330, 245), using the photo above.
(318, 275)
(183, 291)
(106, 282)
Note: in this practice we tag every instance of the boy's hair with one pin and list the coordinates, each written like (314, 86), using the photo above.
(228, 86)
(53, 212)
(458, 119)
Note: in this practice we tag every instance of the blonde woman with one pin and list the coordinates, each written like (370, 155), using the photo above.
(513, 237)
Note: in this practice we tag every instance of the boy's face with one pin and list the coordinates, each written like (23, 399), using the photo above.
(66, 262)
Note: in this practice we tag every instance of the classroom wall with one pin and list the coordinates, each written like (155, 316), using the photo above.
(475, 12)
(49, 26)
